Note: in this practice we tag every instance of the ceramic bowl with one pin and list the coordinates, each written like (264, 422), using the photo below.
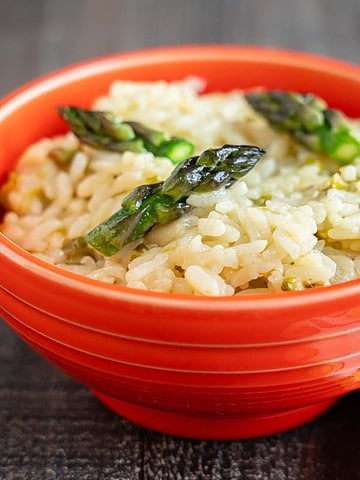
(204, 367)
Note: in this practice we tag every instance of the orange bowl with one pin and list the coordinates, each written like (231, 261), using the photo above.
(205, 367)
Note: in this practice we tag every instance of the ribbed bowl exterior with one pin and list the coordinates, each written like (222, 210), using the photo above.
(155, 351)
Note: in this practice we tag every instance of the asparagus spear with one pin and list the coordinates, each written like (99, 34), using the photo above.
(308, 118)
(165, 201)
(76, 248)
(105, 131)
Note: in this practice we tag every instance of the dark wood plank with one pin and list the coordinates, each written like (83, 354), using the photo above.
(53, 428)
(36, 37)
(325, 449)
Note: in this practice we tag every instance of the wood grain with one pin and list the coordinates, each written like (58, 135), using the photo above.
(39, 36)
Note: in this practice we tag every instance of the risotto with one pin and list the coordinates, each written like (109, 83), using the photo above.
(292, 223)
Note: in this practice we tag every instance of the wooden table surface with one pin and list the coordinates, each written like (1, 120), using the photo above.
(50, 426)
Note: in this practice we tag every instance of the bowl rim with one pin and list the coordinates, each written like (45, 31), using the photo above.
(171, 54)
(106, 63)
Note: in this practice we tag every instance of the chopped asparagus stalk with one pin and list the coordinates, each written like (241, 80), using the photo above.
(291, 283)
(105, 131)
(310, 121)
(62, 156)
(163, 202)
(76, 248)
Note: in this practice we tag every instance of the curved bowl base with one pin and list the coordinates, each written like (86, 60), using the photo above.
(214, 427)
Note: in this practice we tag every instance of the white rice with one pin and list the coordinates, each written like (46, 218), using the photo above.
(292, 223)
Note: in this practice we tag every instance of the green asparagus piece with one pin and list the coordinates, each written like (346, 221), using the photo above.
(76, 248)
(62, 156)
(105, 131)
(162, 202)
(308, 118)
